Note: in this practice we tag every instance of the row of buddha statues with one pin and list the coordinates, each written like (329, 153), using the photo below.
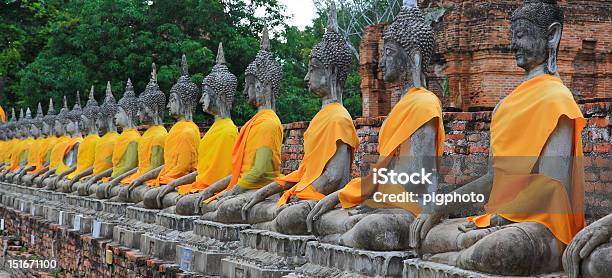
(233, 176)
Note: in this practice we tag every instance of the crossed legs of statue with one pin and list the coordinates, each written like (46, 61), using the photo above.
(597, 264)
(227, 210)
(384, 229)
(289, 219)
(515, 249)
(149, 198)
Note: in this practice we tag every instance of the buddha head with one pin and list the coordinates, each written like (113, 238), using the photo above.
(152, 102)
(263, 76)
(408, 47)
(218, 88)
(37, 122)
(330, 61)
(10, 125)
(127, 110)
(48, 121)
(108, 109)
(183, 95)
(74, 117)
(536, 32)
(89, 116)
(61, 120)
(26, 122)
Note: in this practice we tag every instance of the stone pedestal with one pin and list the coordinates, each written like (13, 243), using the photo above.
(328, 260)
(115, 207)
(127, 237)
(142, 214)
(176, 222)
(417, 268)
(266, 254)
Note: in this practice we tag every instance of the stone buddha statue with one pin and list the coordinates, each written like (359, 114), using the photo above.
(65, 161)
(151, 104)
(329, 145)
(534, 183)
(410, 140)
(102, 165)
(181, 144)
(41, 164)
(64, 152)
(86, 152)
(588, 255)
(39, 149)
(25, 145)
(122, 151)
(256, 153)
(48, 123)
(125, 154)
(215, 148)
(10, 144)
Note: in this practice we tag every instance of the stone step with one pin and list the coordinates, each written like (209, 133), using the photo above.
(144, 215)
(333, 260)
(219, 231)
(176, 222)
(417, 268)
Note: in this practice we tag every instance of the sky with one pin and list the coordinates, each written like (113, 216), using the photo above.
(302, 12)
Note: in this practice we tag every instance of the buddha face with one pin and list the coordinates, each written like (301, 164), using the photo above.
(394, 62)
(209, 101)
(58, 128)
(318, 78)
(145, 114)
(529, 44)
(72, 126)
(252, 85)
(174, 106)
(24, 131)
(35, 131)
(46, 128)
(121, 118)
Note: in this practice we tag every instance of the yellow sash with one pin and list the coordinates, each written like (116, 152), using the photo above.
(57, 153)
(330, 125)
(180, 153)
(61, 166)
(22, 152)
(104, 152)
(154, 136)
(520, 129)
(214, 156)
(416, 108)
(86, 155)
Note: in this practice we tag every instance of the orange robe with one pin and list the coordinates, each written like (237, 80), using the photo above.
(154, 136)
(330, 125)
(215, 156)
(57, 153)
(86, 155)
(180, 153)
(264, 130)
(21, 153)
(104, 153)
(415, 108)
(40, 153)
(61, 166)
(520, 129)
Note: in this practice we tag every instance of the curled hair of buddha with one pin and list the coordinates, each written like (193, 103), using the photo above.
(76, 112)
(51, 114)
(109, 106)
(129, 102)
(542, 13)
(152, 96)
(265, 67)
(221, 80)
(185, 89)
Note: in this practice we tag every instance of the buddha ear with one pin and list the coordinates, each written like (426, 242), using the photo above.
(554, 37)
(418, 68)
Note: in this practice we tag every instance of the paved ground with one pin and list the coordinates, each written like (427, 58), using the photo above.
(4, 274)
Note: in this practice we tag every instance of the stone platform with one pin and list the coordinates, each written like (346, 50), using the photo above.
(417, 268)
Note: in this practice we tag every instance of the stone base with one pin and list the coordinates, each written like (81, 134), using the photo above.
(144, 215)
(417, 268)
(158, 246)
(127, 237)
(219, 231)
(266, 254)
(176, 222)
(333, 261)
(116, 208)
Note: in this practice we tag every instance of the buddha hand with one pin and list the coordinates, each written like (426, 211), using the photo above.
(165, 189)
(421, 226)
(582, 245)
(324, 205)
(257, 198)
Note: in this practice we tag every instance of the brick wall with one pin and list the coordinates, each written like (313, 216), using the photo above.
(473, 57)
(466, 150)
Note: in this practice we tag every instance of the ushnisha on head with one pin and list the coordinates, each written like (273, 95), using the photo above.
(152, 102)
(330, 61)
(537, 27)
(183, 95)
(90, 114)
(61, 120)
(74, 116)
(49, 120)
(26, 122)
(128, 107)
(219, 88)
(409, 47)
(263, 76)
(108, 109)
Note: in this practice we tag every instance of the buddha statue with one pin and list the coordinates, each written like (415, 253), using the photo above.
(588, 254)
(33, 152)
(534, 184)
(215, 148)
(180, 146)
(48, 122)
(151, 104)
(64, 152)
(11, 144)
(410, 140)
(86, 152)
(66, 155)
(25, 143)
(125, 153)
(256, 153)
(40, 152)
(329, 145)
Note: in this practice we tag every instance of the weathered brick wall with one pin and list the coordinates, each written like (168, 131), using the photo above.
(473, 57)
(466, 150)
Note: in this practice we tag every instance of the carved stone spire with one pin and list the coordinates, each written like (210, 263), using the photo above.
(129, 102)
(91, 109)
(265, 39)
(153, 97)
(109, 106)
(186, 90)
(51, 110)
(265, 67)
(220, 55)
(39, 112)
(221, 80)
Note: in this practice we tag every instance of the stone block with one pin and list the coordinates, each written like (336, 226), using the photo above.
(158, 247)
(219, 231)
(144, 215)
(176, 222)
(103, 229)
(127, 237)
(117, 208)
(417, 268)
